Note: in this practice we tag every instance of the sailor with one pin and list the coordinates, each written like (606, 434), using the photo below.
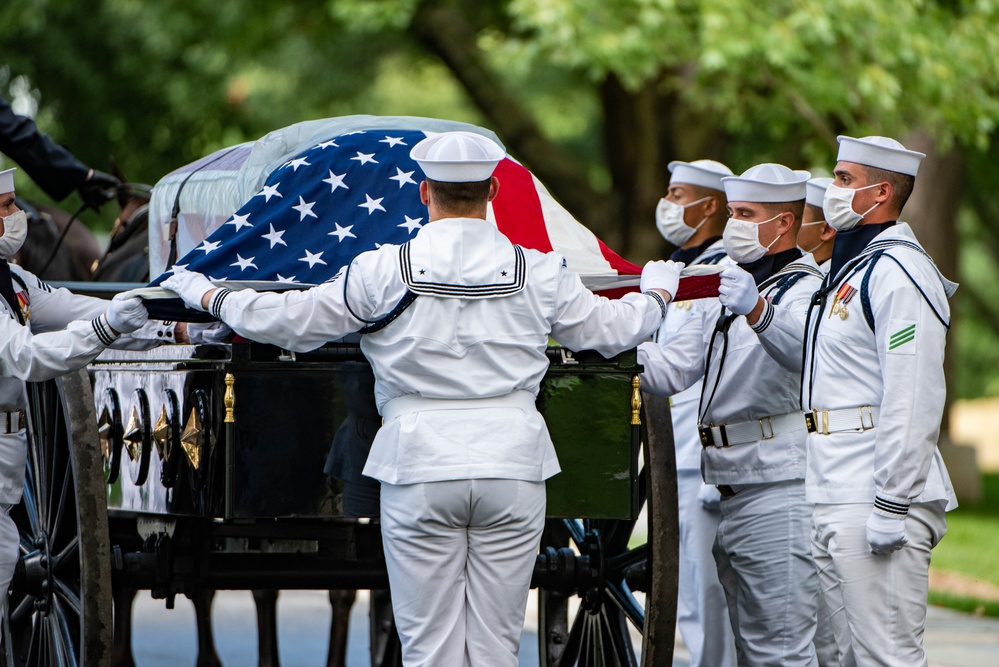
(29, 307)
(816, 236)
(692, 216)
(457, 322)
(874, 383)
(752, 430)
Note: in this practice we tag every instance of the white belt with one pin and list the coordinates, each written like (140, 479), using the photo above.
(13, 420)
(824, 422)
(416, 403)
(767, 428)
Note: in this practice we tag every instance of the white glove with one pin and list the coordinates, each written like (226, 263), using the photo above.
(885, 534)
(126, 315)
(216, 332)
(709, 497)
(661, 275)
(190, 286)
(738, 291)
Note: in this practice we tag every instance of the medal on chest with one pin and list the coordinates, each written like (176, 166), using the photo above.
(840, 301)
(24, 303)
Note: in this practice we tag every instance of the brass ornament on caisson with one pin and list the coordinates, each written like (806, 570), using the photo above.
(105, 432)
(636, 400)
(229, 399)
(163, 434)
(133, 435)
(192, 438)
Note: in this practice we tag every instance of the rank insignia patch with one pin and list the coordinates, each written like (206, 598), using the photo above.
(902, 340)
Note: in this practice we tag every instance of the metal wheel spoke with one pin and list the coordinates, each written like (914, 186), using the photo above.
(626, 602)
(623, 561)
(574, 643)
(70, 596)
(67, 478)
(23, 610)
(63, 635)
(576, 531)
(68, 553)
(617, 638)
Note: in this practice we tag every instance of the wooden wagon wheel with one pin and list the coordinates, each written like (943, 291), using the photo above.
(617, 569)
(59, 611)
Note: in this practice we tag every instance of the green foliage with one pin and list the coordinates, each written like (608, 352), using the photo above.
(972, 537)
(963, 603)
(827, 64)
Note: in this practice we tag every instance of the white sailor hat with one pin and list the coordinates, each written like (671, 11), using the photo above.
(767, 182)
(705, 173)
(815, 190)
(457, 157)
(879, 152)
(7, 181)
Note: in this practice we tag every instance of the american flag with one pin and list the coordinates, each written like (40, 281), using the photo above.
(359, 190)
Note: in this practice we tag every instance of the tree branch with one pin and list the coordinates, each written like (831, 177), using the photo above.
(446, 33)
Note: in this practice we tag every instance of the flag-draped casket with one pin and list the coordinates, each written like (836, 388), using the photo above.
(301, 202)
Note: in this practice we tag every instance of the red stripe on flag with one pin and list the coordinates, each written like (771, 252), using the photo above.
(517, 207)
(618, 263)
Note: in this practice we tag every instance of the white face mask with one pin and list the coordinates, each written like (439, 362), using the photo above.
(742, 239)
(669, 221)
(838, 207)
(15, 230)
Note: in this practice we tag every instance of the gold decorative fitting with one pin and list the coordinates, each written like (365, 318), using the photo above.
(104, 428)
(192, 439)
(133, 435)
(229, 399)
(636, 400)
(163, 434)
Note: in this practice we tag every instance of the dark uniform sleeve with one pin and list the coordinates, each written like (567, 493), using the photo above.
(50, 165)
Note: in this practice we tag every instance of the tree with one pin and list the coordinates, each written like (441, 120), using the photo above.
(595, 97)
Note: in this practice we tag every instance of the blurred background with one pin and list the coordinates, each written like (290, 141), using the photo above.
(595, 98)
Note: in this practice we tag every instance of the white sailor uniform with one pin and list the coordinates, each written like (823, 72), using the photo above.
(75, 337)
(701, 614)
(874, 378)
(463, 453)
(754, 444)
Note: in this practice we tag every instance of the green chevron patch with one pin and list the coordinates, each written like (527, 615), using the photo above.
(902, 336)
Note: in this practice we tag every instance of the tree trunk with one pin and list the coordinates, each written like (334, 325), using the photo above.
(445, 32)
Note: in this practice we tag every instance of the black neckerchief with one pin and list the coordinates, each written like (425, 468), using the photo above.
(851, 242)
(688, 255)
(768, 265)
(7, 289)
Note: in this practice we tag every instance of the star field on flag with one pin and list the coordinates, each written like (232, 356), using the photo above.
(319, 210)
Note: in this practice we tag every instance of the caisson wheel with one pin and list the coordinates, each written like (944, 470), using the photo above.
(59, 611)
(622, 572)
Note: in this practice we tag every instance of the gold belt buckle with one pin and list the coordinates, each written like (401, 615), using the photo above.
(821, 425)
(763, 431)
(869, 415)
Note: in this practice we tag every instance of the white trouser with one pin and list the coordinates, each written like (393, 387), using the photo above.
(701, 612)
(765, 566)
(876, 603)
(9, 551)
(460, 555)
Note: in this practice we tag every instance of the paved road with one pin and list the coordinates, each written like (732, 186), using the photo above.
(167, 638)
